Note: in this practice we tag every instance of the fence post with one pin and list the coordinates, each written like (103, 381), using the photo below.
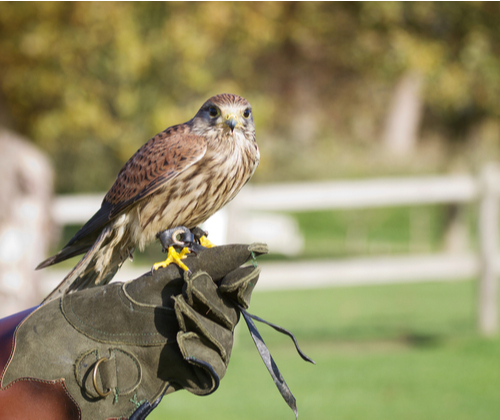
(488, 241)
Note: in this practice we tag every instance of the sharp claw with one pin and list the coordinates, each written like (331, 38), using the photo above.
(192, 250)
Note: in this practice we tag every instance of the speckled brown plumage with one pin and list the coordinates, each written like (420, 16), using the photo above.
(180, 177)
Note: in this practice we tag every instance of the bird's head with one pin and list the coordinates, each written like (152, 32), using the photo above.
(225, 114)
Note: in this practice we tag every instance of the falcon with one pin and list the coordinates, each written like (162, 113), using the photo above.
(180, 177)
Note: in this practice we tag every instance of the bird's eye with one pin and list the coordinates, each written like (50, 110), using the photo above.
(213, 111)
(246, 113)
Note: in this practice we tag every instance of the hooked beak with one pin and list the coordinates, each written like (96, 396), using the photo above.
(231, 121)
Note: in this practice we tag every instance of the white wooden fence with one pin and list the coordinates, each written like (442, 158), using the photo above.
(485, 265)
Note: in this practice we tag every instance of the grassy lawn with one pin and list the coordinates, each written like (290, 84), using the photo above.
(391, 230)
(382, 352)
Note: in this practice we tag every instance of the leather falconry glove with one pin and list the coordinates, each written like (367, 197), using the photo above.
(112, 352)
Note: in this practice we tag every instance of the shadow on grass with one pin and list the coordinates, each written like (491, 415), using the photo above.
(423, 340)
(358, 345)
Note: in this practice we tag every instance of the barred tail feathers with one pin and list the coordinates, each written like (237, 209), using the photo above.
(97, 267)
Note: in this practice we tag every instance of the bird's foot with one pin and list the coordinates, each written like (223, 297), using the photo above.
(175, 258)
(181, 237)
(205, 242)
(200, 236)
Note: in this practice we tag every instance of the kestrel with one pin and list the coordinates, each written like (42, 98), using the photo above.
(180, 177)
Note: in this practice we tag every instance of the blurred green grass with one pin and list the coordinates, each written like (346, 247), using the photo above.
(387, 230)
(407, 351)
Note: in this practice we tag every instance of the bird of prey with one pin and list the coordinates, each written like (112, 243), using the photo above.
(180, 177)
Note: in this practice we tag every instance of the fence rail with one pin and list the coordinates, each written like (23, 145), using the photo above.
(358, 194)
(454, 189)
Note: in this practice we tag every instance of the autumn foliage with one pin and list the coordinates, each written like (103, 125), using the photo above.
(91, 82)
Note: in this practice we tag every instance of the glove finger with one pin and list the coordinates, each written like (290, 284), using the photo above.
(202, 294)
(217, 337)
(220, 260)
(239, 284)
(208, 363)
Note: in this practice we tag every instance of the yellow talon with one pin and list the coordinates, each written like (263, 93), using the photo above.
(173, 257)
(205, 242)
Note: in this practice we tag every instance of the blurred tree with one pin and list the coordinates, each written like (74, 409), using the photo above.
(25, 225)
(90, 82)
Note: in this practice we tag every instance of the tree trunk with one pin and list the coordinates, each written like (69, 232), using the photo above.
(403, 120)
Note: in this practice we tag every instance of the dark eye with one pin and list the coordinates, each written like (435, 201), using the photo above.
(213, 111)
(246, 113)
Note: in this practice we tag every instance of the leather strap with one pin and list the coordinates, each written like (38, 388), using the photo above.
(268, 360)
